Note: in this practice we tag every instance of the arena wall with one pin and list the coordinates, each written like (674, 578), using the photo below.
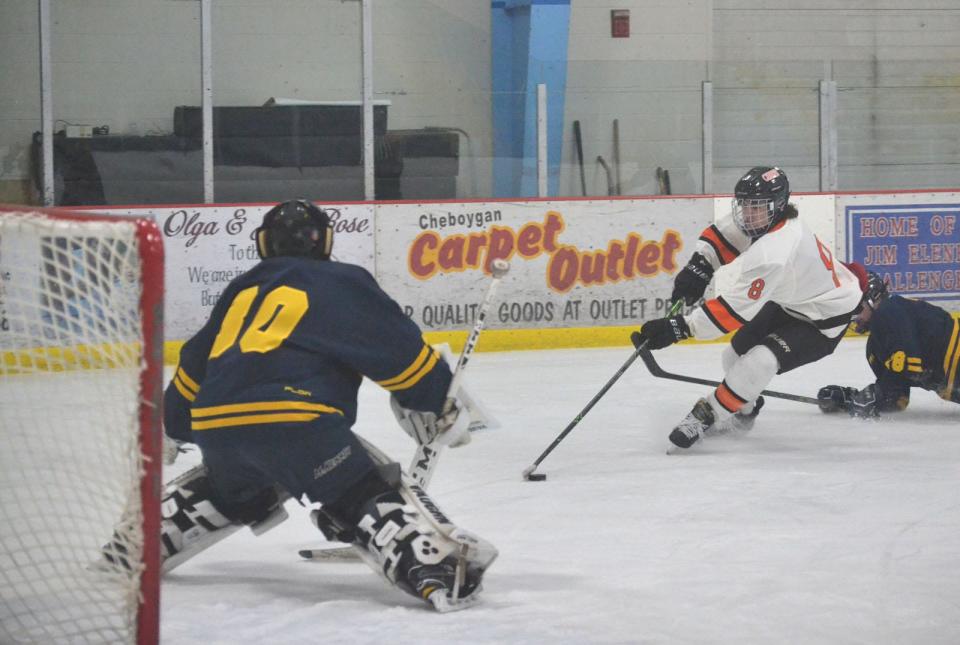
(584, 272)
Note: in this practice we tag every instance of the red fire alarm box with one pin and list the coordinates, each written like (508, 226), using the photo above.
(620, 23)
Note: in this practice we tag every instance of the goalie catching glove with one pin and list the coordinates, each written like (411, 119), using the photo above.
(451, 428)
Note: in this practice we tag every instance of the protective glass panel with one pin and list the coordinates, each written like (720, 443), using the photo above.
(20, 173)
(432, 69)
(287, 118)
(120, 72)
(897, 124)
(767, 113)
(632, 128)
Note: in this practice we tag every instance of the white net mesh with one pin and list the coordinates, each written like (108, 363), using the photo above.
(70, 462)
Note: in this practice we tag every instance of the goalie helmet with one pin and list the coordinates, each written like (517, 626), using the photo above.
(295, 228)
(760, 199)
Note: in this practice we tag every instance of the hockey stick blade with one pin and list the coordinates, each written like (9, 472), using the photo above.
(531, 476)
(330, 554)
(647, 357)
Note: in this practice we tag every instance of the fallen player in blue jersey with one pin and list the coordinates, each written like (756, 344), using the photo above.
(912, 344)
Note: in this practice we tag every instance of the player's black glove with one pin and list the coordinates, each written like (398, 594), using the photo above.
(661, 332)
(864, 403)
(834, 398)
(692, 281)
(858, 403)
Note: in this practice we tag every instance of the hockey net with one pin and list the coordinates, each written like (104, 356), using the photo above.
(80, 444)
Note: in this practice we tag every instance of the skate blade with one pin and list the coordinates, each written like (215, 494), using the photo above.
(731, 428)
(674, 449)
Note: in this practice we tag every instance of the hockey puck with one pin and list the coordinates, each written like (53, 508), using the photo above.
(537, 477)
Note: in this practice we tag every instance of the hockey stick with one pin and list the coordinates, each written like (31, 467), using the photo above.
(659, 372)
(528, 473)
(425, 460)
(616, 155)
(606, 170)
(578, 143)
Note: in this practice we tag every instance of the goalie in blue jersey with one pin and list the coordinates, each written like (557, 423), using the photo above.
(912, 344)
(268, 391)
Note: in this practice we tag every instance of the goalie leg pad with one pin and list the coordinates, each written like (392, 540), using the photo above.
(402, 534)
(413, 555)
(191, 522)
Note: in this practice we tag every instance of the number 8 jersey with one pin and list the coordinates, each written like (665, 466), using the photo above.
(290, 341)
(788, 265)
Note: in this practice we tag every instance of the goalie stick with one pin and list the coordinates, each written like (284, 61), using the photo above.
(425, 459)
(528, 473)
(659, 372)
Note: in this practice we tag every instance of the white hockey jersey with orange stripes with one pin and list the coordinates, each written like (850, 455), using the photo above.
(787, 265)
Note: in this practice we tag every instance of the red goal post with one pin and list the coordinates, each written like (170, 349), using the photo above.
(81, 368)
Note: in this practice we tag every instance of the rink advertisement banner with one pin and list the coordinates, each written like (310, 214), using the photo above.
(573, 264)
(915, 246)
(205, 247)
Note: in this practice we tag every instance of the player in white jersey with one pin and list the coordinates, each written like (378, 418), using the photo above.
(790, 305)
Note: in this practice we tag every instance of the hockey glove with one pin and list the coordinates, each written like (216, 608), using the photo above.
(691, 283)
(858, 403)
(449, 429)
(834, 398)
(661, 332)
(863, 404)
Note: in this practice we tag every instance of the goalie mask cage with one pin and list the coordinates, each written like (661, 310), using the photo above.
(81, 345)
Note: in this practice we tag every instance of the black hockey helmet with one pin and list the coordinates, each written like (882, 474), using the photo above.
(875, 290)
(296, 228)
(760, 199)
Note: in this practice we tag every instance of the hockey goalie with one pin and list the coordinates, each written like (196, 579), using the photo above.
(267, 390)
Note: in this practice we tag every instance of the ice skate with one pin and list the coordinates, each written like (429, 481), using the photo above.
(450, 585)
(739, 422)
(693, 426)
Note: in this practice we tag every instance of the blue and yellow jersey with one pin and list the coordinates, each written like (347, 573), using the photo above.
(913, 344)
(289, 341)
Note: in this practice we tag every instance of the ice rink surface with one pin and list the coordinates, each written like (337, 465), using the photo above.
(808, 529)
